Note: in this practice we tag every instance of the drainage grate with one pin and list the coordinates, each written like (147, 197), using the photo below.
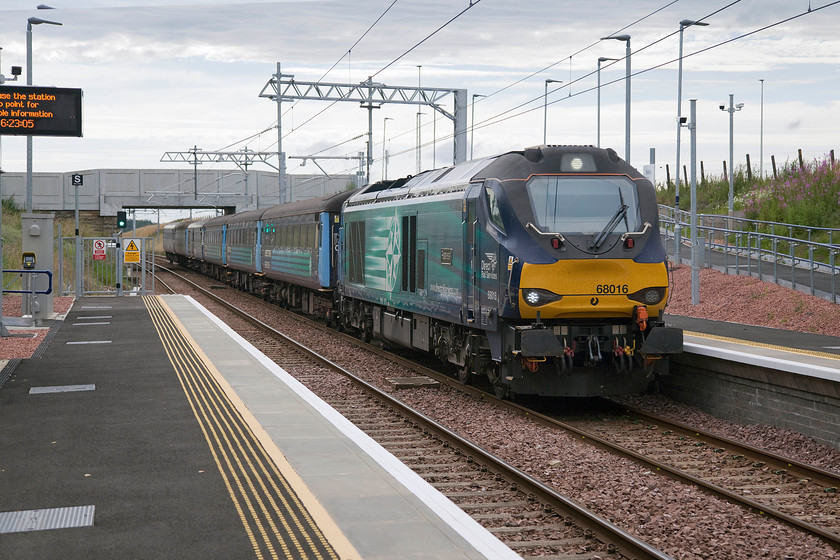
(61, 389)
(44, 519)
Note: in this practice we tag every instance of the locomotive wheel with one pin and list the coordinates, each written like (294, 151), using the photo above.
(501, 391)
(465, 375)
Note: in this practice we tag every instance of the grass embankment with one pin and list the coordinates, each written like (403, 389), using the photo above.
(808, 197)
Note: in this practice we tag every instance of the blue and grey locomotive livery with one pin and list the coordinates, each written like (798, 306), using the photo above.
(542, 270)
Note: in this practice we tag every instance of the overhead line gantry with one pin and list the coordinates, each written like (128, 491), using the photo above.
(370, 95)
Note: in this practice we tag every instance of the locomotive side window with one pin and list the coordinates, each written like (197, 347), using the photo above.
(493, 205)
(356, 252)
(583, 204)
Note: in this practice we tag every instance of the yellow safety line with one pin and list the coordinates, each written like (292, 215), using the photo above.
(203, 428)
(223, 418)
(814, 353)
(311, 509)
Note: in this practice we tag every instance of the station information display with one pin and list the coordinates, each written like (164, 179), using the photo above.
(40, 111)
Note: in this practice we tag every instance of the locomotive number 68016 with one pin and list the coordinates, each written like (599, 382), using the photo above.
(612, 289)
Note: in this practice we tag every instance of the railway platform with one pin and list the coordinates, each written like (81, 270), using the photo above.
(792, 351)
(148, 429)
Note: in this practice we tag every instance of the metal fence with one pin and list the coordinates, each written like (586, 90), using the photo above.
(801, 257)
(105, 266)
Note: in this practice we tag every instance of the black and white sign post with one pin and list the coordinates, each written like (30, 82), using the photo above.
(77, 180)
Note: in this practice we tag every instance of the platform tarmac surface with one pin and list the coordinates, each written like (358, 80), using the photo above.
(112, 445)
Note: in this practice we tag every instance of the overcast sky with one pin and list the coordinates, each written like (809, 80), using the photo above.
(158, 77)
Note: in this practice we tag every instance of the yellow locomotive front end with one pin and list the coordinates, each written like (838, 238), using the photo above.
(592, 289)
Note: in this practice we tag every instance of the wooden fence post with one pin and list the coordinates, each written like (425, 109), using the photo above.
(749, 170)
(773, 160)
(801, 163)
(725, 176)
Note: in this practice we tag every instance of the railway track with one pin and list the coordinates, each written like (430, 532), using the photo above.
(801, 495)
(530, 517)
(797, 494)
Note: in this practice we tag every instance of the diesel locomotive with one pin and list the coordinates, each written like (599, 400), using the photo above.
(542, 270)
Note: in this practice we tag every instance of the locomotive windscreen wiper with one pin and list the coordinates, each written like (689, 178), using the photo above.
(609, 228)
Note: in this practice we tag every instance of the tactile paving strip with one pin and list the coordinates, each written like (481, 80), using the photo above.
(273, 516)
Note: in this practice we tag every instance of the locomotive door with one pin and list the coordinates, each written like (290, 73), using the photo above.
(470, 279)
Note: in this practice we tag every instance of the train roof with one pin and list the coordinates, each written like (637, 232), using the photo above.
(556, 160)
(511, 165)
(329, 203)
(249, 216)
(436, 181)
(179, 225)
(198, 223)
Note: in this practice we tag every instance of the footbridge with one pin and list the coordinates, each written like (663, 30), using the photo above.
(106, 191)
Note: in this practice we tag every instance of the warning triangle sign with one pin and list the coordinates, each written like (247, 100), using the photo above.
(131, 246)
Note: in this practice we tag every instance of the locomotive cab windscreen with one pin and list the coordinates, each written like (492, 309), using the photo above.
(591, 206)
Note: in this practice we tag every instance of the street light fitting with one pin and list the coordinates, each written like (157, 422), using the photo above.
(617, 37)
(689, 22)
(606, 58)
(38, 21)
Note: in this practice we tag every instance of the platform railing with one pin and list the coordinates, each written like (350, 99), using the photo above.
(783, 253)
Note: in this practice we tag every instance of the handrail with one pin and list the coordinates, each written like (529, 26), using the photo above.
(751, 247)
(33, 291)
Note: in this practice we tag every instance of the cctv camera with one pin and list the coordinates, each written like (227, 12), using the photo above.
(16, 70)
(722, 108)
(683, 120)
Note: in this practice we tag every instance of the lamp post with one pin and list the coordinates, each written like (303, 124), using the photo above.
(419, 94)
(384, 122)
(600, 60)
(26, 305)
(761, 142)
(731, 110)
(626, 39)
(545, 106)
(683, 24)
(695, 247)
(472, 129)
(29, 23)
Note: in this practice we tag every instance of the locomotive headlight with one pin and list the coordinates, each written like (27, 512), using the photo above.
(648, 296)
(536, 297)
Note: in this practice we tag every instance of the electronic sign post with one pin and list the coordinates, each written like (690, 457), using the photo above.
(40, 111)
